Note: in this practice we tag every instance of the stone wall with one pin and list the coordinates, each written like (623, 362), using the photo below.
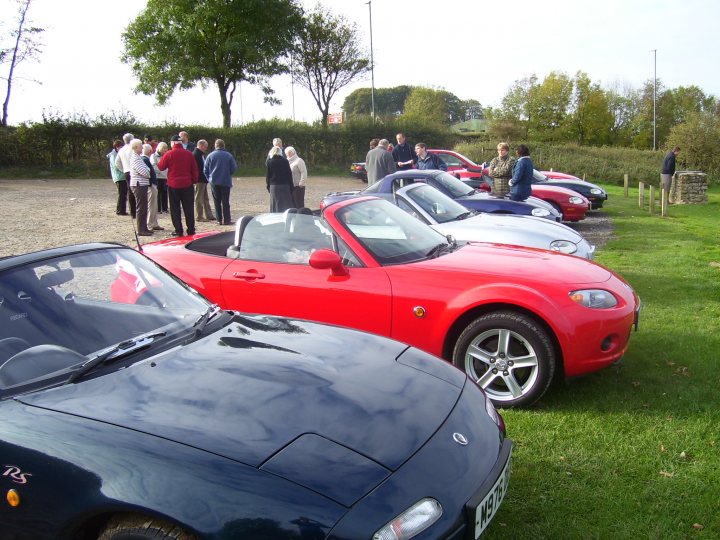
(688, 187)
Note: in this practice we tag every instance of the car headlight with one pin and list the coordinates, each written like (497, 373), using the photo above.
(576, 200)
(540, 212)
(596, 191)
(412, 521)
(563, 246)
(594, 298)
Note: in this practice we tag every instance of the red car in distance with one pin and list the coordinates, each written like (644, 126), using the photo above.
(510, 317)
(572, 205)
(468, 174)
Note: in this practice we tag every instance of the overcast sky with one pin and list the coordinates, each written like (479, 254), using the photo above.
(472, 48)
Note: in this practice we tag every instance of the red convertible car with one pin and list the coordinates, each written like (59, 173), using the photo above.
(511, 317)
(572, 205)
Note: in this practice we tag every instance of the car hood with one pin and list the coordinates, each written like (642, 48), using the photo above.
(509, 229)
(515, 264)
(259, 384)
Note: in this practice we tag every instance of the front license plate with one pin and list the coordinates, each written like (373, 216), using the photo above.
(489, 506)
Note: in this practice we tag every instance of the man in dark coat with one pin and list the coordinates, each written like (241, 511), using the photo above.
(668, 169)
(279, 181)
(403, 153)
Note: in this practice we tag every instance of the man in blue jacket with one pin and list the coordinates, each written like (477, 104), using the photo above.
(521, 181)
(428, 161)
(219, 168)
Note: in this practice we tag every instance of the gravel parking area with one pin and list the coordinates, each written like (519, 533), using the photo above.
(38, 214)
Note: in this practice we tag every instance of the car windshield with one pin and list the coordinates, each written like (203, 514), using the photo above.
(61, 311)
(441, 207)
(538, 176)
(391, 235)
(456, 188)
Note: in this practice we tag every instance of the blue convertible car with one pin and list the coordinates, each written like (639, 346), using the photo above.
(133, 408)
(455, 189)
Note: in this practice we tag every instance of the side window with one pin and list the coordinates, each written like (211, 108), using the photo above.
(348, 257)
(451, 160)
(403, 204)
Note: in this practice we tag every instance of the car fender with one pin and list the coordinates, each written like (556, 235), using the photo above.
(444, 321)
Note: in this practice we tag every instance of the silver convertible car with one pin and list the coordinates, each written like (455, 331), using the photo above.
(447, 216)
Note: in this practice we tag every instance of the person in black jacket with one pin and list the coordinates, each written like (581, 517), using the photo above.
(668, 169)
(279, 181)
(403, 153)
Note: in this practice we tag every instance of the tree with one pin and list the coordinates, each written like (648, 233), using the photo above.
(697, 137)
(27, 47)
(428, 105)
(623, 105)
(327, 57)
(389, 102)
(512, 117)
(591, 120)
(176, 44)
(548, 107)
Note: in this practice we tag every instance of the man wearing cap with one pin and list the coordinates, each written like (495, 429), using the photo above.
(182, 176)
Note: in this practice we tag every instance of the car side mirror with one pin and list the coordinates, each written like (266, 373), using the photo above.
(323, 259)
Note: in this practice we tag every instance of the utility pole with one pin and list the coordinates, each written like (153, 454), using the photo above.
(372, 64)
(654, 51)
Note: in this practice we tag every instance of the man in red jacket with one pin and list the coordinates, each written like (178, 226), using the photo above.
(182, 176)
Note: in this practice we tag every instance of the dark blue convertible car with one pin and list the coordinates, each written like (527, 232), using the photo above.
(455, 189)
(133, 408)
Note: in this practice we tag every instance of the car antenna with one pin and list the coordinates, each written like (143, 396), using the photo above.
(137, 238)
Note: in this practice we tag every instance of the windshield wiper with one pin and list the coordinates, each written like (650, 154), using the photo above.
(437, 251)
(202, 320)
(122, 349)
(465, 215)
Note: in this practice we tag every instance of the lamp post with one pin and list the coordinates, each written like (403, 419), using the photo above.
(654, 51)
(292, 84)
(372, 64)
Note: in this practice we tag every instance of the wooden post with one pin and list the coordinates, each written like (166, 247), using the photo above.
(626, 184)
(663, 202)
(652, 199)
(641, 194)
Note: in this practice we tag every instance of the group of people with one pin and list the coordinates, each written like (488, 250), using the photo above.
(285, 177)
(512, 175)
(154, 178)
(384, 159)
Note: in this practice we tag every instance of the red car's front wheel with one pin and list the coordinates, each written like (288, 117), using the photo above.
(509, 355)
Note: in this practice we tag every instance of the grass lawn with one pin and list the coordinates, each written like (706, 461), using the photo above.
(634, 451)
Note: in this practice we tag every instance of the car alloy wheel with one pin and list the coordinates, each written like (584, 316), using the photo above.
(509, 355)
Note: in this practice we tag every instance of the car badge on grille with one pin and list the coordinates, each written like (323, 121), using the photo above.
(460, 438)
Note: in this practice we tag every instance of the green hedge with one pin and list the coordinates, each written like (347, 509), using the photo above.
(61, 147)
(77, 144)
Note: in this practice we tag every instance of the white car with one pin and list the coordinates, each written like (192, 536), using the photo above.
(449, 217)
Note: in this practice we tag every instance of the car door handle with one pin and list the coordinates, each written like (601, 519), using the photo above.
(250, 274)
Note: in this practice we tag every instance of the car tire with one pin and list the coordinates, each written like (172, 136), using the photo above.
(137, 527)
(514, 374)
